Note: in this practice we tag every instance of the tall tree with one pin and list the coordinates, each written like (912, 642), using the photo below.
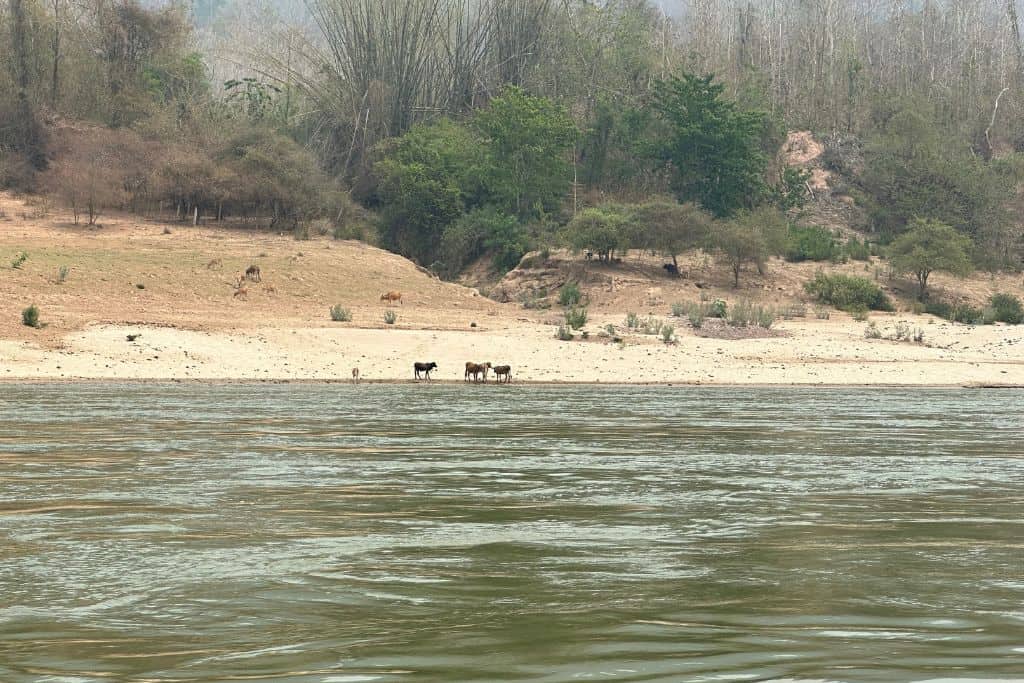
(714, 146)
(30, 140)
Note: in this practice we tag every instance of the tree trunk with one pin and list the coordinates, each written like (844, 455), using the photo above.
(922, 281)
(55, 45)
(30, 139)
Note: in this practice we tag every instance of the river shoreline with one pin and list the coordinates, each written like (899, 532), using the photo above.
(804, 353)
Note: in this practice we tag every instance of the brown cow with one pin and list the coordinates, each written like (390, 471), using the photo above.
(392, 296)
(476, 369)
(502, 371)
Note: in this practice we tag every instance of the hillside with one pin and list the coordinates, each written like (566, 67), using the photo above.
(192, 326)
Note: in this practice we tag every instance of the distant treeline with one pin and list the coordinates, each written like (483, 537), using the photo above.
(458, 128)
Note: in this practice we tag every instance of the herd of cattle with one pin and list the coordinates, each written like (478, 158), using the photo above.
(476, 372)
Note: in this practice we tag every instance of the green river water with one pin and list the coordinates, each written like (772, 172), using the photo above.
(335, 534)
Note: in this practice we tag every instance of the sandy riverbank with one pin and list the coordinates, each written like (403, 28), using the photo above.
(810, 353)
(175, 285)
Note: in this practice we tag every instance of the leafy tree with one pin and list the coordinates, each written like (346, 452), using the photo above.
(713, 145)
(601, 230)
(670, 227)
(929, 245)
(750, 237)
(912, 171)
(529, 140)
(479, 231)
(426, 180)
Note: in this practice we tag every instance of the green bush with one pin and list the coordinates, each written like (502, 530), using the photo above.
(632, 321)
(810, 243)
(576, 318)
(859, 313)
(746, 314)
(718, 309)
(696, 315)
(30, 316)
(19, 260)
(62, 274)
(569, 294)
(848, 292)
(667, 332)
(857, 250)
(959, 313)
(563, 333)
(390, 317)
(678, 310)
(340, 315)
(1007, 309)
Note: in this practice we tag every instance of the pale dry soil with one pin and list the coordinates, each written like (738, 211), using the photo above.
(192, 326)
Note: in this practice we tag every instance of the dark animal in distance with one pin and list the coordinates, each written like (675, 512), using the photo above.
(671, 269)
(502, 371)
(355, 375)
(425, 368)
(253, 273)
(588, 255)
(476, 370)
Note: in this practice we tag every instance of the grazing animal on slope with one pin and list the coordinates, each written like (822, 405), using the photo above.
(502, 371)
(253, 273)
(425, 368)
(392, 296)
(476, 369)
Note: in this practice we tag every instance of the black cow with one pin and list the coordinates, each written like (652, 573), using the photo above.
(425, 368)
(671, 269)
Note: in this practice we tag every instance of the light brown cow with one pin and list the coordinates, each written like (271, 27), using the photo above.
(392, 296)
(476, 370)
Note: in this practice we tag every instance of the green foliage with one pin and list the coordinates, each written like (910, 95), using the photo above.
(601, 230)
(958, 313)
(390, 317)
(791, 191)
(715, 147)
(477, 232)
(19, 260)
(62, 274)
(848, 292)
(340, 315)
(857, 250)
(632, 321)
(528, 141)
(746, 314)
(913, 171)
(563, 333)
(669, 227)
(810, 243)
(30, 316)
(718, 309)
(1007, 309)
(666, 332)
(576, 318)
(569, 294)
(752, 236)
(927, 246)
(679, 309)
